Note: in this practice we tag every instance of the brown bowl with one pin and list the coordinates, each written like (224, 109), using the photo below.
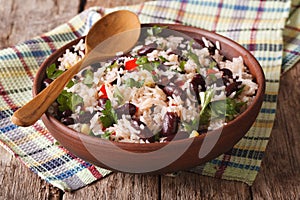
(160, 157)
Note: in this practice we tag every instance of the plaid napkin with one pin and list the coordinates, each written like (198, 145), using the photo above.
(260, 26)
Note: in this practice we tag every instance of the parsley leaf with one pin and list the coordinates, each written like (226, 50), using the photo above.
(52, 72)
(118, 95)
(192, 125)
(205, 99)
(142, 60)
(181, 65)
(133, 83)
(109, 116)
(68, 100)
(205, 113)
(155, 30)
(88, 77)
(233, 108)
(106, 135)
(239, 91)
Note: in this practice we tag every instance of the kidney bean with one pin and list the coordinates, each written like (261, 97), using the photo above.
(146, 49)
(175, 51)
(163, 81)
(202, 131)
(85, 117)
(197, 81)
(170, 124)
(199, 42)
(126, 109)
(232, 87)
(179, 136)
(145, 132)
(169, 90)
(102, 102)
(226, 72)
(47, 82)
(211, 50)
(95, 66)
(220, 82)
(163, 67)
(67, 121)
(66, 113)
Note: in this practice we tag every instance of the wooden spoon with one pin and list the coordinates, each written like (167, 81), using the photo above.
(115, 32)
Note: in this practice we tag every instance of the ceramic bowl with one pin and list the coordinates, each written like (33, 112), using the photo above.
(159, 158)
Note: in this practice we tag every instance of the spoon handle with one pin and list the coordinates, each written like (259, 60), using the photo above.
(34, 109)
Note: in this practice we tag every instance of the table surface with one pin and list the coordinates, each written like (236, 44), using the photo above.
(278, 178)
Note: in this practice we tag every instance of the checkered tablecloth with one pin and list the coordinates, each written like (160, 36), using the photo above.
(268, 29)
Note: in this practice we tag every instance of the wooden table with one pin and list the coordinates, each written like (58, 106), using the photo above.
(278, 178)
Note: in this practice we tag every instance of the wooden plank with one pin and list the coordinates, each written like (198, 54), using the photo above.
(119, 186)
(279, 177)
(18, 182)
(193, 186)
(112, 3)
(21, 20)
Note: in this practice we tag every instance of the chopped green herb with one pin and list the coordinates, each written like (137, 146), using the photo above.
(133, 83)
(106, 135)
(88, 77)
(239, 91)
(147, 66)
(109, 116)
(70, 84)
(192, 125)
(205, 113)
(181, 65)
(52, 72)
(233, 108)
(114, 65)
(142, 60)
(205, 99)
(118, 95)
(218, 109)
(68, 100)
(163, 59)
(155, 30)
(212, 64)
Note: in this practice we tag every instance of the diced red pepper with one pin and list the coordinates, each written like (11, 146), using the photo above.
(103, 91)
(211, 71)
(131, 64)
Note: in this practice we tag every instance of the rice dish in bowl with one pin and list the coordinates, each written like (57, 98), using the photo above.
(100, 121)
(164, 86)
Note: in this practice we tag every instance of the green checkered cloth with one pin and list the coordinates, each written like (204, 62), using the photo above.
(268, 29)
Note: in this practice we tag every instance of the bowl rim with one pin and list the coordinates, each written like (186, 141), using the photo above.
(260, 77)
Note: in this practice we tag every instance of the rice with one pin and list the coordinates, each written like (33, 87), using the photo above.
(153, 92)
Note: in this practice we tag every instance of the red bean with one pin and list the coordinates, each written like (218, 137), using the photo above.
(126, 109)
(85, 117)
(197, 81)
(47, 82)
(170, 124)
(66, 113)
(146, 49)
(169, 90)
(102, 102)
(145, 132)
(67, 121)
(232, 87)
(226, 72)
